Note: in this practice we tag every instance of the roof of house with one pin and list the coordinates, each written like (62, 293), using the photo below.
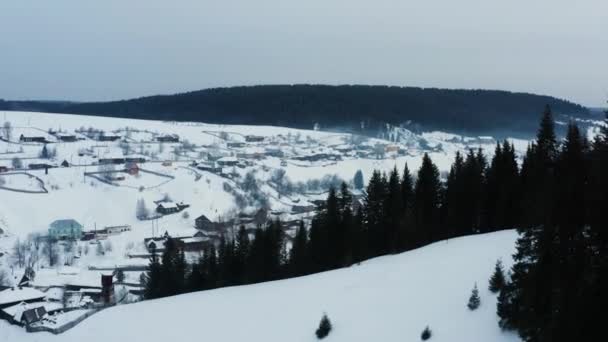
(227, 160)
(167, 205)
(16, 295)
(65, 223)
(203, 218)
(16, 311)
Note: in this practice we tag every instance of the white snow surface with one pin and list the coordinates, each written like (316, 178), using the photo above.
(386, 299)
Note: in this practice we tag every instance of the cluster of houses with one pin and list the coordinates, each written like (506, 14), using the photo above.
(26, 305)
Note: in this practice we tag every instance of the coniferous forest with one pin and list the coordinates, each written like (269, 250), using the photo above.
(556, 199)
(351, 107)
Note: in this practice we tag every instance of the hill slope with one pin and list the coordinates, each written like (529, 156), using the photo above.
(463, 111)
(386, 299)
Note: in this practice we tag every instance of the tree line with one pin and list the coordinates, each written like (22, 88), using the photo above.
(345, 106)
(555, 200)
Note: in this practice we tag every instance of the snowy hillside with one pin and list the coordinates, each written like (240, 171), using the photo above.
(387, 299)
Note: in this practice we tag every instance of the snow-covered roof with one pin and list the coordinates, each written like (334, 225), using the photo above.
(227, 159)
(15, 295)
(16, 311)
(65, 223)
(167, 205)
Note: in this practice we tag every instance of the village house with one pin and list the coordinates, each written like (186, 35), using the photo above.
(28, 313)
(25, 139)
(16, 295)
(114, 160)
(209, 167)
(227, 161)
(274, 152)
(132, 168)
(65, 229)
(166, 208)
(66, 138)
(168, 138)
(103, 137)
(235, 144)
(254, 138)
(40, 166)
(115, 230)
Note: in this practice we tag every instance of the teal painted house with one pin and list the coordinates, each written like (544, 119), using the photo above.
(65, 229)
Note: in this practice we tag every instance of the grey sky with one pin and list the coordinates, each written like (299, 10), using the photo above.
(114, 49)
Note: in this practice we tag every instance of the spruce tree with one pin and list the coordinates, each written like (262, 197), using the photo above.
(241, 251)
(375, 217)
(407, 188)
(497, 281)
(298, 255)
(324, 327)
(152, 278)
(393, 208)
(474, 300)
(427, 201)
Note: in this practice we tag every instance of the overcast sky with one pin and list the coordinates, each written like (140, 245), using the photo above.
(115, 49)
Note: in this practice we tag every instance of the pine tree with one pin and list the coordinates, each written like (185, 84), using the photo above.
(474, 300)
(407, 186)
(241, 252)
(375, 218)
(152, 278)
(497, 281)
(427, 201)
(120, 275)
(393, 207)
(324, 327)
(298, 255)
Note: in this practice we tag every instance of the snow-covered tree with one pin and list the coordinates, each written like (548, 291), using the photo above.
(141, 211)
(474, 300)
(4, 278)
(99, 249)
(358, 180)
(7, 130)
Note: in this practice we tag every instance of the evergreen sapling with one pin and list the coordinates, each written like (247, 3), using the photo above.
(324, 327)
(426, 334)
(474, 300)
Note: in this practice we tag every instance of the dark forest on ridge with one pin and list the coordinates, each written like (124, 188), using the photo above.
(333, 107)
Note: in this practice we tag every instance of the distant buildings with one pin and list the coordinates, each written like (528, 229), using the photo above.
(173, 138)
(65, 229)
(254, 138)
(25, 139)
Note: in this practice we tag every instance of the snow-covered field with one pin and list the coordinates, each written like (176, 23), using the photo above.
(386, 299)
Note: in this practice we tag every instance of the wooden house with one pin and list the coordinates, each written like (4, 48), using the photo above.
(173, 138)
(132, 168)
(166, 208)
(25, 139)
(254, 138)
